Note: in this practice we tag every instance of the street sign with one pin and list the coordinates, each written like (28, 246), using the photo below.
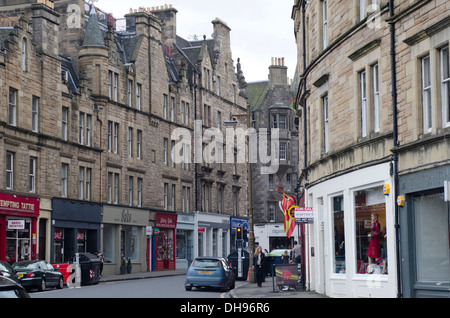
(304, 215)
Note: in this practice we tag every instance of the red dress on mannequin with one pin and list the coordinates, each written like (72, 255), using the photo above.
(374, 250)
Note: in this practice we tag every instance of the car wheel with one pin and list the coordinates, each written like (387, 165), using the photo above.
(60, 283)
(43, 285)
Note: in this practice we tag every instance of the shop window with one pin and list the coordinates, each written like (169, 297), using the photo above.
(109, 242)
(337, 204)
(431, 216)
(18, 247)
(130, 242)
(370, 230)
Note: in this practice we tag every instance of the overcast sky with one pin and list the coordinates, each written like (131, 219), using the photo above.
(260, 29)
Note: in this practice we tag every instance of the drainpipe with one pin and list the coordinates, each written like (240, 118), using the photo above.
(396, 144)
(305, 144)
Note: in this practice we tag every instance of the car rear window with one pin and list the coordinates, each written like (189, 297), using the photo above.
(206, 263)
(26, 265)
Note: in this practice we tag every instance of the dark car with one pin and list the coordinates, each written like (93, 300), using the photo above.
(7, 271)
(38, 274)
(210, 272)
(11, 289)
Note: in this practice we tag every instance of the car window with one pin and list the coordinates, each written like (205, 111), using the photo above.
(206, 263)
(9, 294)
(49, 266)
(26, 266)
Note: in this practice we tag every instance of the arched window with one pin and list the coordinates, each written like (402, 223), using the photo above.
(24, 55)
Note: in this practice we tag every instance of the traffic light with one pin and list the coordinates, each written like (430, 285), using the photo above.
(239, 234)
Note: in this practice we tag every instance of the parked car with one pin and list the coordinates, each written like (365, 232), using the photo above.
(210, 272)
(7, 271)
(11, 289)
(38, 274)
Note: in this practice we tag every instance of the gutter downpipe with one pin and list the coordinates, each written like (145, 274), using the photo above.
(396, 144)
(305, 147)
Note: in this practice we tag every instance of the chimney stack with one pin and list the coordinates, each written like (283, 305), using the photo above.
(278, 72)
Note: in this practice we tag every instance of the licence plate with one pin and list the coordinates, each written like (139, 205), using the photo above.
(205, 272)
(20, 275)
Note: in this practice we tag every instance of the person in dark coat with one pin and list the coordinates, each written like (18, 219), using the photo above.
(258, 261)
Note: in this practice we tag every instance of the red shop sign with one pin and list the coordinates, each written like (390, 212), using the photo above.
(18, 205)
(166, 220)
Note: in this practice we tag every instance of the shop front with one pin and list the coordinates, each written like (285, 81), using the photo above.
(425, 235)
(75, 229)
(164, 242)
(352, 243)
(18, 227)
(185, 239)
(124, 238)
(213, 235)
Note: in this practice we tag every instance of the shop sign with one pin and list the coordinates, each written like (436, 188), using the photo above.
(201, 230)
(19, 204)
(166, 220)
(304, 215)
(156, 231)
(80, 236)
(57, 235)
(128, 216)
(16, 224)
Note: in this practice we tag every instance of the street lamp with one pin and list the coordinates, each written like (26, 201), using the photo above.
(251, 235)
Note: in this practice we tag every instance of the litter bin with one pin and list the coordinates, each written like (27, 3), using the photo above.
(90, 268)
(234, 263)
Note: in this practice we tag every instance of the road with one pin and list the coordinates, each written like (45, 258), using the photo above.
(160, 287)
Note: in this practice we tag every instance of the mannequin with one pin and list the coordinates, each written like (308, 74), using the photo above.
(374, 246)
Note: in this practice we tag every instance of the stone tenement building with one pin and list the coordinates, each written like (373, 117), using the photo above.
(87, 124)
(271, 102)
(374, 120)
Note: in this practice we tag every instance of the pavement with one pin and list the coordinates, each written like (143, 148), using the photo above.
(243, 289)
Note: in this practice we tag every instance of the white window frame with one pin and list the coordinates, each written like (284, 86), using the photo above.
(363, 102)
(166, 196)
(324, 24)
(165, 105)
(376, 97)
(326, 128)
(12, 116)
(130, 92)
(116, 87)
(9, 185)
(445, 86)
(165, 154)
(130, 190)
(81, 183)
(32, 175)
(64, 176)
(139, 144)
(139, 192)
(130, 142)
(65, 123)
(283, 150)
(81, 128)
(138, 96)
(116, 138)
(172, 109)
(426, 94)
(35, 114)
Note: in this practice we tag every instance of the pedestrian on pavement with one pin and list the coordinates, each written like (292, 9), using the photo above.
(296, 256)
(258, 261)
(285, 258)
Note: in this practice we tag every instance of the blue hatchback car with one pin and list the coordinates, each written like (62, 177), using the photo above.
(210, 272)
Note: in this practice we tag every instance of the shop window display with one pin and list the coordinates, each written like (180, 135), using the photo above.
(370, 227)
(339, 243)
(18, 243)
